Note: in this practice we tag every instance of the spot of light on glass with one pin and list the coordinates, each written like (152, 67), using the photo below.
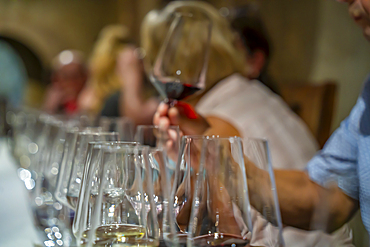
(66, 57)
(49, 243)
(111, 211)
(39, 201)
(225, 12)
(25, 161)
(59, 242)
(58, 235)
(54, 171)
(29, 183)
(57, 206)
(33, 148)
(48, 196)
(78, 180)
(178, 72)
(24, 174)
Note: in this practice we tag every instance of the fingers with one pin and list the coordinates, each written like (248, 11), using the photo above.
(162, 109)
(174, 116)
(160, 117)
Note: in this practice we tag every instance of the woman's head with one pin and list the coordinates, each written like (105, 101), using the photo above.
(224, 57)
(103, 79)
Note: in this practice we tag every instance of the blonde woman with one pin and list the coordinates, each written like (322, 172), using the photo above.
(103, 80)
(233, 105)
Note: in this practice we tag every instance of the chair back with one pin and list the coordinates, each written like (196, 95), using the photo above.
(315, 104)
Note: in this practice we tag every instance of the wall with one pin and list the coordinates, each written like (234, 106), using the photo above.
(51, 26)
(342, 53)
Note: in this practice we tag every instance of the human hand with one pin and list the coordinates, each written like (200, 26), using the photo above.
(183, 115)
(129, 68)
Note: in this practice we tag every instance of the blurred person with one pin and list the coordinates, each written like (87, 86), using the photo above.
(103, 80)
(69, 75)
(118, 85)
(139, 99)
(229, 96)
(13, 75)
(248, 23)
(336, 180)
(233, 105)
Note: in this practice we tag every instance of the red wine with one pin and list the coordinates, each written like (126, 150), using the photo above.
(175, 90)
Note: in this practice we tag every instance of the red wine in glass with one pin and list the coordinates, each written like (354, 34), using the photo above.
(174, 91)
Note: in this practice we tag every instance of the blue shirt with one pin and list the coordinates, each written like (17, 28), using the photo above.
(345, 158)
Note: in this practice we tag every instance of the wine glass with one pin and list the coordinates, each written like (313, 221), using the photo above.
(210, 196)
(78, 162)
(267, 222)
(180, 68)
(163, 158)
(117, 198)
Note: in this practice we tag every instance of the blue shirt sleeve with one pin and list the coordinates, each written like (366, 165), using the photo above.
(338, 161)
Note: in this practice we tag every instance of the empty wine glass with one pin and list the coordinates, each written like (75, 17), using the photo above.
(67, 161)
(66, 164)
(118, 196)
(210, 195)
(78, 161)
(267, 223)
(188, 39)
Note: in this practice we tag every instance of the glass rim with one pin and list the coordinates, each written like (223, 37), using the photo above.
(103, 133)
(125, 148)
(213, 137)
(112, 143)
(176, 127)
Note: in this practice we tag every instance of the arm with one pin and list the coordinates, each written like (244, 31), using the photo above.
(301, 200)
(133, 104)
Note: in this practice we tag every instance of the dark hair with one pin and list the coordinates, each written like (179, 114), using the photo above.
(247, 21)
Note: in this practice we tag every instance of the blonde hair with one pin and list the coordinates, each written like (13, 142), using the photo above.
(224, 57)
(103, 78)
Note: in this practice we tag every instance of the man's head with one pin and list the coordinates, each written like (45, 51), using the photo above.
(359, 11)
(69, 73)
(246, 20)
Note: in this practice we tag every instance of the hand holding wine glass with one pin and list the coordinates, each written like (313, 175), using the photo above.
(180, 68)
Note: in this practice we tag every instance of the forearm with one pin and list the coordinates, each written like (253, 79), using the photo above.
(303, 203)
(133, 104)
(139, 110)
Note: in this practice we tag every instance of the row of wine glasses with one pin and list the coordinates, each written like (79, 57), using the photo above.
(147, 189)
(151, 191)
(132, 196)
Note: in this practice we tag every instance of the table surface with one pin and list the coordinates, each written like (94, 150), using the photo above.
(16, 225)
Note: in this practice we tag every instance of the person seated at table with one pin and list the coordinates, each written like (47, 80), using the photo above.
(103, 80)
(230, 97)
(69, 75)
(232, 105)
(117, 86)
(336, 180)
(254, 38)
(138, 98)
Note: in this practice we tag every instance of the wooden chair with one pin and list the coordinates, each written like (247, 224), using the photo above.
(314, 104)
